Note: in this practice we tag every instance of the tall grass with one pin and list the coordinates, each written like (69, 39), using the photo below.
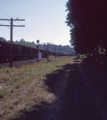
(23, 87)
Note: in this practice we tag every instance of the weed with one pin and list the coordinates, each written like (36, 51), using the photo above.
(2, 93)
(25, 86)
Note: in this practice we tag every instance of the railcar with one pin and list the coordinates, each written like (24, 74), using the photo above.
(44, 53)
(4, 51)
(20, 52)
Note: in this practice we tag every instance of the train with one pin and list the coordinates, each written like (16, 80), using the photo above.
(20, 52)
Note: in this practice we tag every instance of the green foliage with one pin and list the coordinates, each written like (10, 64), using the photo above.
(82, 56)
(2, 39)
(25, 43)
(2, 93)
(58, 48)
(88, 22)
(51, 47)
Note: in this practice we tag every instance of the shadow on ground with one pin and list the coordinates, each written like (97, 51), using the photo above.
(86, 93)
(56, 85)
(81, 91)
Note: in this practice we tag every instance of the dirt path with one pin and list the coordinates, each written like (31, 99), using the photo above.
(77, 97)
(80, 101)
(57, 85)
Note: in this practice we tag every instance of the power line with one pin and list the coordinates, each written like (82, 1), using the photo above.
(10, 8)
(13, 10)
(31, 33)
(4, 12)
(25, 38)
(11, 34)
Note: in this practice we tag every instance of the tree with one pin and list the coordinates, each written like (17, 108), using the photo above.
(25, 43)
(2, 39)
(88, 22)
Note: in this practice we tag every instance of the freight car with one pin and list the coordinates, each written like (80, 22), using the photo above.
(20, 52)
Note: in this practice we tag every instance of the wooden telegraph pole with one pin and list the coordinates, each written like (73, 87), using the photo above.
(11, 43)
(11, 35)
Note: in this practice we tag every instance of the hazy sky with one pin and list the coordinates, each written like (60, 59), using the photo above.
(44, 20)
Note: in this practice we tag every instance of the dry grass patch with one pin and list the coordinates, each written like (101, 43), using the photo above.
(24, 87)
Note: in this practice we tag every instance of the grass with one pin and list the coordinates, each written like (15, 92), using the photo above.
(24, 87)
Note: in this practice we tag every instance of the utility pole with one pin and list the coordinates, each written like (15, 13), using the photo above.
(48, 44)
(11, 35)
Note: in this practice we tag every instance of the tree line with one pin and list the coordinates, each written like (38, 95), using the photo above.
(50, 47)
(87, 20)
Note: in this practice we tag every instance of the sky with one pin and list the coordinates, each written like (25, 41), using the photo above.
(44, 20)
